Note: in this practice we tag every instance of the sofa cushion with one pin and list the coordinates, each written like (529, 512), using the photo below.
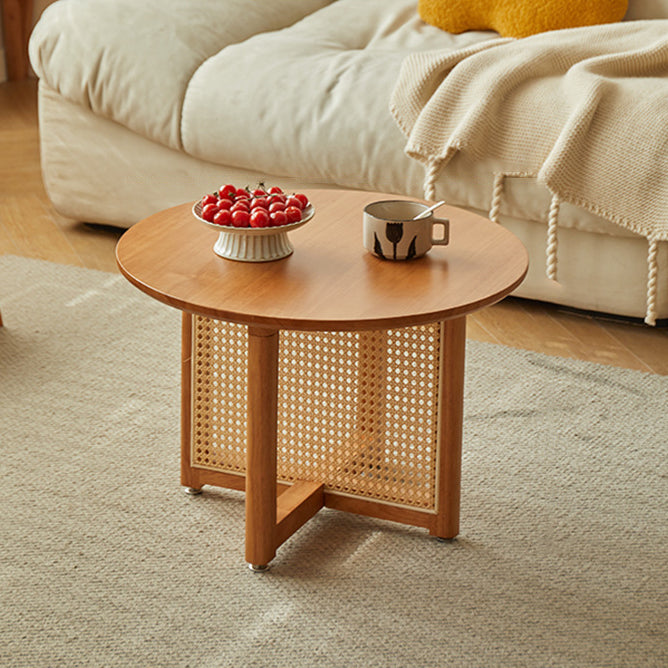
(313, 100)
(131, 61)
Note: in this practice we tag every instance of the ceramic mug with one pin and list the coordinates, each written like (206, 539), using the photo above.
(391, 233)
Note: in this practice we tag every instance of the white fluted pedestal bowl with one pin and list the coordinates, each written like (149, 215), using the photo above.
(254, 244)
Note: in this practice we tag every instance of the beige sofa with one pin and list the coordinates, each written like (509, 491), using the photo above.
(146, 105)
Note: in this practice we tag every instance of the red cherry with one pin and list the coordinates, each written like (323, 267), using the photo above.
(209, 211)
(278, 218)
(259, 218)
(276, 197)
(293, 214)
(241, 219)
(302, 198)
(294, 201)
(259, 202)
(226, 190)
(223, 217)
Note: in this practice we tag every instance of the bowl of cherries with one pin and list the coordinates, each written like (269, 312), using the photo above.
(253, 224)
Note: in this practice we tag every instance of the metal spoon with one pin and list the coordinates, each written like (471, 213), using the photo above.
(426, 212)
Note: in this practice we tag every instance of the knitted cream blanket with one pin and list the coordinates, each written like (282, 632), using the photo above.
(585, 111)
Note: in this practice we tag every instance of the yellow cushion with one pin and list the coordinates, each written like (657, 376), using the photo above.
(519, 18)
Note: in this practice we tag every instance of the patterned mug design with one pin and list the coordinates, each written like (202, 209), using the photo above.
(390, 231)
(394, 233)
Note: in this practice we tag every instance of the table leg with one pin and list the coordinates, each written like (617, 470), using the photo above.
(261, 447)
(189, 475)
(453, 353)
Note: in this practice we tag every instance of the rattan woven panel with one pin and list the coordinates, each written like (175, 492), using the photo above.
(357, 411)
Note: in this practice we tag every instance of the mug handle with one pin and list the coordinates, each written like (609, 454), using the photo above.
(445, 239)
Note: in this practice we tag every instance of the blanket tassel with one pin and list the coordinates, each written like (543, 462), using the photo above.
(497, 194)
(552, 239)
(433, 167)
(652, 281)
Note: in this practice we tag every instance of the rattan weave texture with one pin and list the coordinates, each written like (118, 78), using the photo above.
(357, 411)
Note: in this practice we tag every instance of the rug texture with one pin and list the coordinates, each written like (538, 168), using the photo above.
(561, 560)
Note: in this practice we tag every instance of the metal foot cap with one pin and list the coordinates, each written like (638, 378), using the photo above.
(258, 568)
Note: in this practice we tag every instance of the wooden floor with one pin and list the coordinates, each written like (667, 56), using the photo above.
(29, 226)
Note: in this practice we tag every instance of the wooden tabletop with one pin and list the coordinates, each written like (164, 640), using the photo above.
(330, 282)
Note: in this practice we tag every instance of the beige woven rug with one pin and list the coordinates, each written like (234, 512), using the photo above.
(105, 562)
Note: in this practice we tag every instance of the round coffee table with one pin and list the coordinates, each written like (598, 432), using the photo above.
(330, 377)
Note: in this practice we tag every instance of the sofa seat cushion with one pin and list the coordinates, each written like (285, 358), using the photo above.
(132, 61)
(312, 100)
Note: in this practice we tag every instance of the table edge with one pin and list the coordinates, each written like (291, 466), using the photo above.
(310, 325)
